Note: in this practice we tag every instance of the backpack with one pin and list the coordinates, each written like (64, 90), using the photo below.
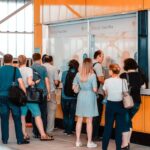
(98, 83)
(69, 82)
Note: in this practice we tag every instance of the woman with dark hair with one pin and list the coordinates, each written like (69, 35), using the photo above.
(68, 97)
(135, 81)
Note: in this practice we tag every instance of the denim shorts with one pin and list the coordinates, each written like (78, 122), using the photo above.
(34, 108)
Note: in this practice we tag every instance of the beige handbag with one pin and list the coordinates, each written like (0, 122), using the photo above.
(127, 98)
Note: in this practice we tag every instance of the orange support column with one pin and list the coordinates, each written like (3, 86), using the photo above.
(37, 25)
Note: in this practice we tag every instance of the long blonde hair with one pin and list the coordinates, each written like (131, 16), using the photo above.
(86, 69)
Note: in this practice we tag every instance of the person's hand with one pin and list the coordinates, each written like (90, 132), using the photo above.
(48, 97)
(37, 81)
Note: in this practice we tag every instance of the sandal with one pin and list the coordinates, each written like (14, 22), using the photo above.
(47, 138)
(27, 137)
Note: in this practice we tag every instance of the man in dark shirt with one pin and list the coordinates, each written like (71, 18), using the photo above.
(6, 80)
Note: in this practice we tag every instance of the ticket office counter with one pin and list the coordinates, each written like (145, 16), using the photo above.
(141, 122)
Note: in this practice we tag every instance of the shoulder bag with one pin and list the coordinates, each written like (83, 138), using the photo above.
(127, 98)
(35, 94)
(16, 94)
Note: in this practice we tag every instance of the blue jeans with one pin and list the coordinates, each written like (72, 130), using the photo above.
(114, 112)
(5, 107)
(68, 108)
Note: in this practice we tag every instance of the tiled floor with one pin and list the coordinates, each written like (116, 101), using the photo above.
(61, 142)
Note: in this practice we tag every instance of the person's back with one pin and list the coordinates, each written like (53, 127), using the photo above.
(88, 85)
(41, 70)
(115, 92)
(52, 75)
(26, 72)
(6, 79)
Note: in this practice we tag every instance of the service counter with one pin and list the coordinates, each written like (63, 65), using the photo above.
(141, 122)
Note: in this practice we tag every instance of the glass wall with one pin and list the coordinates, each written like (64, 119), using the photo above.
(68, 41)
(116, 36)
(16, 33)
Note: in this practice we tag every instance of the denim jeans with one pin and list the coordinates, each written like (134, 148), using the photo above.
(5, 107)
(114, 112)
(43, 109)
(69, 108)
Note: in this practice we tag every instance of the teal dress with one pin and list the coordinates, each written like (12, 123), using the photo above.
(86, 100)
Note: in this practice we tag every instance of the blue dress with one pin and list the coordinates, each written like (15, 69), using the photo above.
(86, 100)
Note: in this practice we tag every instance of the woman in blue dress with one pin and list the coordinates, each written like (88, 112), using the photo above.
(85, 81)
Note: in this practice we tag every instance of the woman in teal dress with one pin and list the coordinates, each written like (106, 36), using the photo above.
(85, 81)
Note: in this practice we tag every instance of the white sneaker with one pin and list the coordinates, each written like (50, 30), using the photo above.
(91, 145)
(78, 144)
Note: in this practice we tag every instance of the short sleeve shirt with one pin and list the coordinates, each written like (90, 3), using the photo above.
(26, 72)
(99, 72)
(43, 74)
(52, 75)
(6, 78)
(114, 88)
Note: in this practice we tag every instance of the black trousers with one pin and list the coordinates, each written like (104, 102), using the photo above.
(43, 109)
(97, 120)
(68, 108)
(115, 112)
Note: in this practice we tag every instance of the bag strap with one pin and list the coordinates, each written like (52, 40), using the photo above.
(123, 82)
(14, 76)
(95, 63)
(36, 73)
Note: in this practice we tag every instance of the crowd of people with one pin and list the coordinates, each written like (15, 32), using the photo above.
(84, 89)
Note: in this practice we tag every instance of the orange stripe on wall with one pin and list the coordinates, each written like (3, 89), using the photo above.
(147, 4)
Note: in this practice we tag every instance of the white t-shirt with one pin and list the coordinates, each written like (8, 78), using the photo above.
(114, 88)
(26, 72)
(52, 75)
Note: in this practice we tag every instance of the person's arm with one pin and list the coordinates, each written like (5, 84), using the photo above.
(21, 85)
(20, 80)
(56, 78)
(94, 83)
(47, 83)
(101, 79)
(105, 88)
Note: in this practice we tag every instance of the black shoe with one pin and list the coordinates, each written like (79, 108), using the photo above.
(23, 142)
(96, 139)
(5, 142)
(125, 148)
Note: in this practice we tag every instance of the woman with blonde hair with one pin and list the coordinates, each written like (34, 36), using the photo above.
(27, 75)
(85, 80)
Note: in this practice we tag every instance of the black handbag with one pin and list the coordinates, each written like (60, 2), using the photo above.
(34, 94)
(17, 95)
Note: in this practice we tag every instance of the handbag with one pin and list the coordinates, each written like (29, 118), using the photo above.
(34, 94)
(16, 94)
(127, 98)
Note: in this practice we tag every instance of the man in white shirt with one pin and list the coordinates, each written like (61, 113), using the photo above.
(97, 67)
(54, 81)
